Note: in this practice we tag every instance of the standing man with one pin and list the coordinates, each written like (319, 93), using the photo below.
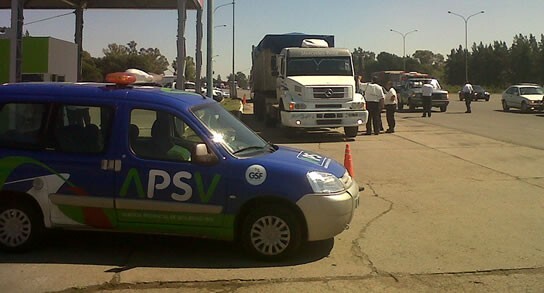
(426, 99)
(467, 92)
(390, 106)
(374, 97)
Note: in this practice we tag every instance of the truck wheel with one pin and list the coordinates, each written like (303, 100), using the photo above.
(258, 105)
(290, 132)
(270, 120)
(21, 226)
(411, 106)
(443, 108)
(351, 131)
(271, 232)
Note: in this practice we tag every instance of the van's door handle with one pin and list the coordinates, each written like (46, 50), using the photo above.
(104, 164)
(117, 164)
(110, 165)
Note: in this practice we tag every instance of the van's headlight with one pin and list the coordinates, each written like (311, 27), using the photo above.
(324, 182)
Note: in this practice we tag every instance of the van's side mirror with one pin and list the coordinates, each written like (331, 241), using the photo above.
(203, 157)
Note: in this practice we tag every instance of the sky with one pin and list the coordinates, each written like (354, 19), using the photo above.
(354, 23)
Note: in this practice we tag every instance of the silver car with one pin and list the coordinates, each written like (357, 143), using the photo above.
(526, 97)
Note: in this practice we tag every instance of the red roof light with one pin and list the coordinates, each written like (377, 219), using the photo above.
(121, 78)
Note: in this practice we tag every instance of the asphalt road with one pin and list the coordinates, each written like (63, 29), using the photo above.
(452, 203)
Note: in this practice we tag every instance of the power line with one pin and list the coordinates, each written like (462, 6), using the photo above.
(48, 18)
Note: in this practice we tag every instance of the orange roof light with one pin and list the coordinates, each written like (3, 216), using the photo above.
(121, 78)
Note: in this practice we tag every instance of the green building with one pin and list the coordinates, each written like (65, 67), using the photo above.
(44, 59)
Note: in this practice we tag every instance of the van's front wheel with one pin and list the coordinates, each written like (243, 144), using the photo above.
(20, 226)
(271, 232)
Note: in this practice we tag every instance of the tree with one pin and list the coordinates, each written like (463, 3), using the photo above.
(190, 69)
(89, 70)
(523, 56)
(242, 80)
(120, 58)
(429, 62)
(455, 67)
(388, 61)
(364, 62)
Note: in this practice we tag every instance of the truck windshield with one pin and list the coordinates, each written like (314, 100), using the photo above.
(319, 66)
(227, 130)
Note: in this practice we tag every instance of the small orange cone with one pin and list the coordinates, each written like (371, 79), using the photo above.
(244, 99)
(348, 163)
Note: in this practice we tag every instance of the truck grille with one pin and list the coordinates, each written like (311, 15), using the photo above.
(328, 106)
(328, 121)
(329, 92)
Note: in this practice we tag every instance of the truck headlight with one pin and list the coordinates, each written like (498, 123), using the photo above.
(357, 105)
(324, 182)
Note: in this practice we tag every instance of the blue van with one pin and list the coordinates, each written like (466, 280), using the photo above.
(118, 157)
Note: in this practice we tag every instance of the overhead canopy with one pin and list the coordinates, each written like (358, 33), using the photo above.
(105, 4)
(17, 7)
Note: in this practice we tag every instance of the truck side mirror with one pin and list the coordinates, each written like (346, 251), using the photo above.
(203, 157)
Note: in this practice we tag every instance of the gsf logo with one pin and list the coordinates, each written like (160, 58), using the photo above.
(255, 174)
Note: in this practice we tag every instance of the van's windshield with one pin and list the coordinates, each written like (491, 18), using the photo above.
(235, 136)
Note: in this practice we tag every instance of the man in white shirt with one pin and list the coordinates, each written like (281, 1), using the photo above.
(374, 97)
(426, 99)
(390, 102)
(467, 92)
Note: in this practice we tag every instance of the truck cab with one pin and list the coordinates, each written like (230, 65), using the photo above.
(301, 81)
(315, 87)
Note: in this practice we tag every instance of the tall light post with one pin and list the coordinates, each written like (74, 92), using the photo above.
(209, 53)
(403, 46)
(233, 79)
(466, 37)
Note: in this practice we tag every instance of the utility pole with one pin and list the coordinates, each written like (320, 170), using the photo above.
(466, 37)
(403, 46)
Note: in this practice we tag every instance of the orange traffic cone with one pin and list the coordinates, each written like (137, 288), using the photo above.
(244, 99)
(348, 163)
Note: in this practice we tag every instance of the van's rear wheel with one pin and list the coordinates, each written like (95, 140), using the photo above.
(271, 232)
(21, 226)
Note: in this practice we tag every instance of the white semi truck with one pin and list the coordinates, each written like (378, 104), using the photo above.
(301, 81)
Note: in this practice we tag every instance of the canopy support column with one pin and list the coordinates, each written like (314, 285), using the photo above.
(182, 19)
(198, 53)
(78, 39)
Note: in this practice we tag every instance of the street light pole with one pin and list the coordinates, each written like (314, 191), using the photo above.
(466, 37)
(233, 88)
(233, 92)
(403, 46)
(209, 65)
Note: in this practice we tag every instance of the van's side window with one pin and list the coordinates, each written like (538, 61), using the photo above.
(161, 136)
(82, 129)
(22, 125)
